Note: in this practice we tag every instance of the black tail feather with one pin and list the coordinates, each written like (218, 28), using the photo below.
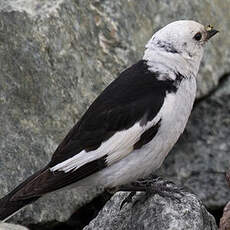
(12, 202)
(8, 207)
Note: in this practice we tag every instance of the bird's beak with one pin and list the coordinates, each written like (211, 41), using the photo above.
(210, 32)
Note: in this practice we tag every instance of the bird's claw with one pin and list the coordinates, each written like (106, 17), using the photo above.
(154, 186)
(128, 199)
(163, 188)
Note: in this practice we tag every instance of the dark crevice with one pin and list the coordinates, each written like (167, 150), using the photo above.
(79, 219)
(221, 82)
(217, 213)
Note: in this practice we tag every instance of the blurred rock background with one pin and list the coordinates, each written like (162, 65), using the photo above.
(57, 56)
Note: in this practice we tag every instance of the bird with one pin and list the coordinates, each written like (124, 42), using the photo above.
(129, 129)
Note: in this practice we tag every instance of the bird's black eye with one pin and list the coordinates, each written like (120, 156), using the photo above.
(198, 36)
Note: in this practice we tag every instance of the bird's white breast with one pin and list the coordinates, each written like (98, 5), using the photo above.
(140, 163)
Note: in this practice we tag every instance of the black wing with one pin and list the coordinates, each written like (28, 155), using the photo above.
(135, 94)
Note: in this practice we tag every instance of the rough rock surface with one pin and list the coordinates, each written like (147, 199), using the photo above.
(155, 213)
(225, 220)
(5, 226)
(201, 157)
(228, 176)
(56, 57)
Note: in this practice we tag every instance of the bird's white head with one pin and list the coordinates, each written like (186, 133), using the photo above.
(179, 44)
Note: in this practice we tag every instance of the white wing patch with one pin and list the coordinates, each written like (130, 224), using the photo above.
(116, 147)
(122, 142)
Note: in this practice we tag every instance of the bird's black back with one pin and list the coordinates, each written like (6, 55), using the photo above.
(136, 94)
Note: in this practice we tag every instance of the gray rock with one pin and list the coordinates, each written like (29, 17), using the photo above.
(201, 157)
(225, 219)
(5, 226)
(57, 56)
(155, 213)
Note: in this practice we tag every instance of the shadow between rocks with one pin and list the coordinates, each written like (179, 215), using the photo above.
(217, 213)
(79, 219)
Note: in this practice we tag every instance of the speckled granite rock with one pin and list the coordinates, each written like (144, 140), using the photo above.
(155, 213)
(225, 220)
(56, 57)
(5, 226)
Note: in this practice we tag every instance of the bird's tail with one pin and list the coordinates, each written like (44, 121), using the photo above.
(8, 208)
(22, 195)
(40, 183)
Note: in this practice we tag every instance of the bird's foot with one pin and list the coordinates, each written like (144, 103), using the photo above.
(163, 188)
(157, 185)
(128, 199)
